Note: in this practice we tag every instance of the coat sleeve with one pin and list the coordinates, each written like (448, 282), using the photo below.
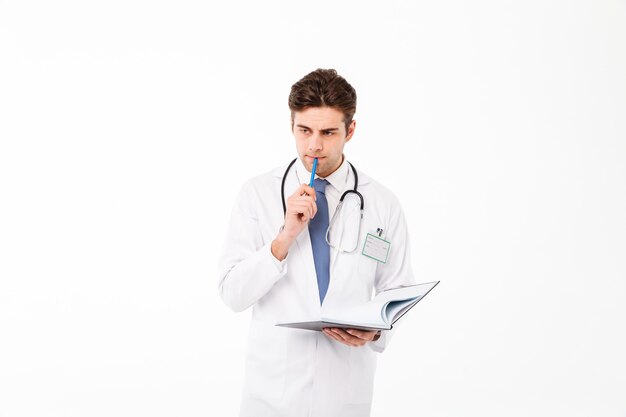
(247, 268)
(397, 271)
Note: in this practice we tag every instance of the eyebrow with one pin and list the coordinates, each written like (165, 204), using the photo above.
(330, 129)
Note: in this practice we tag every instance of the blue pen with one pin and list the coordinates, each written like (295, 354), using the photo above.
(313, 172)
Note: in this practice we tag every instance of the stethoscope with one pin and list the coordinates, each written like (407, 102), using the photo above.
(337, 210)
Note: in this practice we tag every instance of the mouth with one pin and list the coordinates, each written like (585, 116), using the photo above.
(311, 158)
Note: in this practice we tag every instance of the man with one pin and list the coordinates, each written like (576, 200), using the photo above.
(277, 259)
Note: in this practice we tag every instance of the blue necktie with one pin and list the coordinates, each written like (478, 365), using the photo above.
(317, 230)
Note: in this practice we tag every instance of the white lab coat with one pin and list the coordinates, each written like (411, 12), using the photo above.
(292, 372)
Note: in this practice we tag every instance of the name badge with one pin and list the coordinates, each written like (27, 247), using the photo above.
(376, 248)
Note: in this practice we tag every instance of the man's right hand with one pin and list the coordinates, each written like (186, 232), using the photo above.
(301, 208)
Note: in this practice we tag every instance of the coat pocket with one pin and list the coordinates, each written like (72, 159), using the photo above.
(266, 364)
(367, 269)
(362, 369)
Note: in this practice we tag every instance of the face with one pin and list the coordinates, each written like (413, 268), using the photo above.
(321, 133)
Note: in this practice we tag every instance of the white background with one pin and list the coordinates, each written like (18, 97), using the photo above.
(127, 128)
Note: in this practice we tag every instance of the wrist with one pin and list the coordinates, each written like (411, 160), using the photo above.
(285, 235)
(280, 244)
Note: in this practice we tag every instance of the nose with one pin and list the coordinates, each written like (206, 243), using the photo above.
(315, 142)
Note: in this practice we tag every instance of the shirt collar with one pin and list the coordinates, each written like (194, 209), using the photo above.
(338, 179)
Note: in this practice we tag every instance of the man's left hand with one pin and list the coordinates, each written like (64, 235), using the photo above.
(351, 337)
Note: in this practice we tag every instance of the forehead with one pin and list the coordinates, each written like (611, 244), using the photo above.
(319, 117)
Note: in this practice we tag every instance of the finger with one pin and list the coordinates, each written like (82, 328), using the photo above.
(299, 207)
(310, 191)
(300, 216)
(304, 189)
(309, 208)
(336, 337)
(306, 211)
(301, 199)
(300, 203)
(331, 335)
(358, 341)
(347, 338)
(305, 208)
(300, 190)
(362, 334)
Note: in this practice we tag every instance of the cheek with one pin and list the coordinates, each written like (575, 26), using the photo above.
(300, 144)
(334, 149)
(302, 148)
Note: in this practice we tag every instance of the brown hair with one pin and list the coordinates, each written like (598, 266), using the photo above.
(323, 87)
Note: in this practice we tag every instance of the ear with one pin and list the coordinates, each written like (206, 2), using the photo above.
(351, 130)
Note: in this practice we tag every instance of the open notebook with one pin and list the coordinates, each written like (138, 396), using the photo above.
(380, 313)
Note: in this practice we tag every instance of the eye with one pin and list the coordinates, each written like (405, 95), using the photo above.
(304, 130)
(329, 133)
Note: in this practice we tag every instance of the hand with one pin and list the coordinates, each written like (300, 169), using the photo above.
(351, 337)
(301, 208)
